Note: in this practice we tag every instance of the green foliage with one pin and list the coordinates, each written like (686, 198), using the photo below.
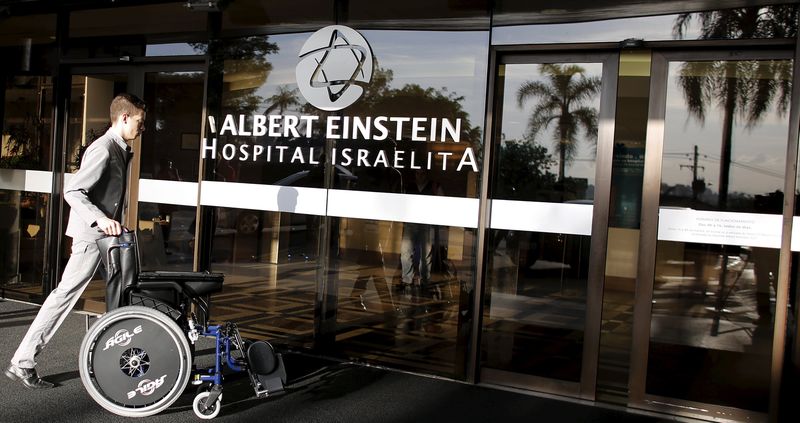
(247, 58)
(23, 145)
(20, 162)
(380, 99)
(524, 172)
(743, 23)
(91, 136)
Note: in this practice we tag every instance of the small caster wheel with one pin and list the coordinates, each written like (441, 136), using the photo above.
(200, 410)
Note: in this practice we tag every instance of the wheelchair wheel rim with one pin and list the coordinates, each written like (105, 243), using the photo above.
(135, 361)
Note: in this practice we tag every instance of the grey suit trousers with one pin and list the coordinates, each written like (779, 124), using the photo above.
(80, 269)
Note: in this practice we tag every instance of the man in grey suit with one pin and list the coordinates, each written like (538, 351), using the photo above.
(96, 195)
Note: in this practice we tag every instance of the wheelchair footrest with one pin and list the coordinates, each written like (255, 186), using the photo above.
(266, 369)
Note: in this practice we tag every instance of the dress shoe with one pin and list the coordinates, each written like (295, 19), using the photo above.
(29, 378)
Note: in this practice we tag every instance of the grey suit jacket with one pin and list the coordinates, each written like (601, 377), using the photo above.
(98, 188)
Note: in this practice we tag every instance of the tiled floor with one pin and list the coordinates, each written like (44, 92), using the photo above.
(370, 319)
(380, 324)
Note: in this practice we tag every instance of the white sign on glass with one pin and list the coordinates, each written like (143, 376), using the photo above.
(709, 227)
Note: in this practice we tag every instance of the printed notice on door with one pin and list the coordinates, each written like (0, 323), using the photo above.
(706, 227)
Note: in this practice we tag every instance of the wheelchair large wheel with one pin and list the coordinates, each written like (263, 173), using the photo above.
(135, 361)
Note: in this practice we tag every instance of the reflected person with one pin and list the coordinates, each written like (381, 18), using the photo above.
(765, 269)
(416, 246)
(766, 260)
(371, 267)
(167, 172)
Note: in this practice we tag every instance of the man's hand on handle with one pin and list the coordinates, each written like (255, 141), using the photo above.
(109, 226)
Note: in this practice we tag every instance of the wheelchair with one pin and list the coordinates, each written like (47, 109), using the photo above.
(137, 359)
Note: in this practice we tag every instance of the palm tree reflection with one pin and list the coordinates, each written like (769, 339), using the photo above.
(562, 101)
(284, 99)
(746, 88)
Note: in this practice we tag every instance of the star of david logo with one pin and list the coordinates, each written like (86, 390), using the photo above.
(338, 43)
(335, 66)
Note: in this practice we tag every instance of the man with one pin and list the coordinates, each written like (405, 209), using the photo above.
(96, 196)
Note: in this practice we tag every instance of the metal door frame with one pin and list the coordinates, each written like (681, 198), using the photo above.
(648, 239)
(585, 389)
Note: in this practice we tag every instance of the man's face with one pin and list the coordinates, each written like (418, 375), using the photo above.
(132, 125)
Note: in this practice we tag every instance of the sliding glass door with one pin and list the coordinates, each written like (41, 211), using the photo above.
(711, 234)
(548, 222)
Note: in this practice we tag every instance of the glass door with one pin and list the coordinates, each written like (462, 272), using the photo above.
(546, 247)
(711, 234)
(162, 189)
(169, 167)
(25, 183)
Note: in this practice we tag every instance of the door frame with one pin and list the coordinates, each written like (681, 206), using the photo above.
(586, 387)
(648, 240)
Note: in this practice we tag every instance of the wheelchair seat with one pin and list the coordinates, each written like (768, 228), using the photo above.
(172, 292)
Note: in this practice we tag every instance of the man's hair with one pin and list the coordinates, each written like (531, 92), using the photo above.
(126, 103)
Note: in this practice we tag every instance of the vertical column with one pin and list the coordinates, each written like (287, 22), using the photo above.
(55, 209)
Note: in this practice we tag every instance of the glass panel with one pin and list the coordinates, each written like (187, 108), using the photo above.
(156, 19)
(27, 43)
(38, 29)
(719, 231)
(25, 107)
(23, 226)
(259, 79)
(306, 150)
(176, 49)
(97, 33)
(278, 16)
(270, 268)
(536, 308)
(26, 124)
(170, 150)
(537, 270)
(402, 293)
(524, 22)
(269, 258)
(549, 132)
(441, 86)
(404, 283)
(171, 140)
(419, 14)
(166, 236)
